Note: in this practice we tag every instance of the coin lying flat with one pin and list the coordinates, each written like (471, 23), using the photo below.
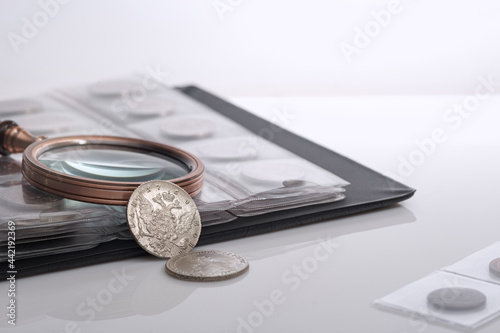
(495, 267)
(456, 298)
(209, 265)
(163, 219)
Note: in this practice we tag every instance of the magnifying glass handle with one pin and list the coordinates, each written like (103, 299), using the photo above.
(14, 138)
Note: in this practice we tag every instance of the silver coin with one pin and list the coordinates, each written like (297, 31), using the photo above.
(495, 267)
(211, 265)
(163, 219)
(187, 128)
(456, 298)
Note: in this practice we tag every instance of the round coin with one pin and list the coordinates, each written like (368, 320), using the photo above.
(212, 265)
(495, 267)
(456, 298)
(163, 219)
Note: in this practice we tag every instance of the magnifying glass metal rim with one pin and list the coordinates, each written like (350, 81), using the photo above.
(103, 191)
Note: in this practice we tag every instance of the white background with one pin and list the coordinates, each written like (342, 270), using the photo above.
(264, 48)
(424, 62)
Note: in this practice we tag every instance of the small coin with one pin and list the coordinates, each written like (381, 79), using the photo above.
(211, 265)
(456, 298)
(187, 128)
(495, 267)
(163, 219)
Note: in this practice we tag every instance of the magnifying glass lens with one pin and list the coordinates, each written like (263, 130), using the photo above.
(111, 164)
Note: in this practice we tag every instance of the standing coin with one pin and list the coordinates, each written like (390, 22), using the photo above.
(163, 219)
(206, 266)
(495, 267)
(456, 298)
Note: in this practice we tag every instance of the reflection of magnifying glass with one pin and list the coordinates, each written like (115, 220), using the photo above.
(99, 169)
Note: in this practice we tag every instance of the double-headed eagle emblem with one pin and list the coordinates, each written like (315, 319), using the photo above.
(160, 221)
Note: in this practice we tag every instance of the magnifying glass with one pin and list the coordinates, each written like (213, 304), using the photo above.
(98, 169)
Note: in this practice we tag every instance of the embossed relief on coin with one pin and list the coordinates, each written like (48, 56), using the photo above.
(164, 219)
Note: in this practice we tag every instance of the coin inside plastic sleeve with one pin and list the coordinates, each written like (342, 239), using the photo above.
(187, 128)
(495, 267)
(456, 299)
(210, 265)
(163, 219)
(152, 106)
(271, 172)
(111, 88)
(18, 106)
(229, 149)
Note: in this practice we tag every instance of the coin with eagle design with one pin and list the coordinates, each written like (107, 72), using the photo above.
(163, 219)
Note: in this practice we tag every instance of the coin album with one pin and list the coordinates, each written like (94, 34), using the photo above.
(440, 296)
(259, 177)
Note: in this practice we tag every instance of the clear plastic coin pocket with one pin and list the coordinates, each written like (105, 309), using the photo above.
(246, 174)
(464, 295)
(482, 265)
(447, 298)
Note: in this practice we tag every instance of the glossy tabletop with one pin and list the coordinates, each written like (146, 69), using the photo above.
(321, 277)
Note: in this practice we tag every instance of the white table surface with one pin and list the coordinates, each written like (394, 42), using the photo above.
(453, 214)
